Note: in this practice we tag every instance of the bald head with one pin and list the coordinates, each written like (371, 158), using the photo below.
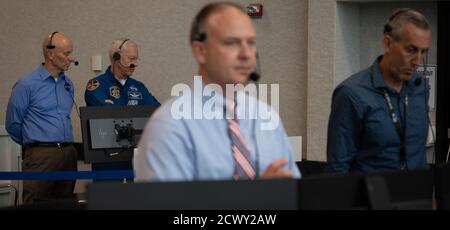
(57, 49)
(57, 40)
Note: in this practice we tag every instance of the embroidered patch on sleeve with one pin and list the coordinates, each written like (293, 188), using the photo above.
(92, 85)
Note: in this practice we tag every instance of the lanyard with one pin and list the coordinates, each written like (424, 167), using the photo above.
(401, 129)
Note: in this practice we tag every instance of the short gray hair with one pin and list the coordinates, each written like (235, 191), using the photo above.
(115, 46)
(400, 17)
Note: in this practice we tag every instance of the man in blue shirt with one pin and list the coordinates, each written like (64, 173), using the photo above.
(176, 146)
(117, 87)
(378, 118)
(38, 118)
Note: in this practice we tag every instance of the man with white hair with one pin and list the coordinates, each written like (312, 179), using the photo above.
(117, 87)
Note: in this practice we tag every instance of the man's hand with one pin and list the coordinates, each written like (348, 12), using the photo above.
(275, 170)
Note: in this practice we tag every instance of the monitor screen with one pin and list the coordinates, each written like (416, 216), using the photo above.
(111, 133)
(116, 133)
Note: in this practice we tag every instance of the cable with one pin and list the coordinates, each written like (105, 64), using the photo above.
(448, 152)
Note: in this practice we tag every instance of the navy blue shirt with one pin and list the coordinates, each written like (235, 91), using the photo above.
(105, 89)
(361, 134)
(39, 108)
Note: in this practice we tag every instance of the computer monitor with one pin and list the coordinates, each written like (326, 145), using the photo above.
(195, 195)
(410, 190)
(442, 183)
(111, 133)
(399, 190)
(333, 192)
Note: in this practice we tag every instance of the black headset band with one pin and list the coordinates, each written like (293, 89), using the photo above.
(120, 47)
(116, 55)
(50, 42)
(201, 37)
(396, 14)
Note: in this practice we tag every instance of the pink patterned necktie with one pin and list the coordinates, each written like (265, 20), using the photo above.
(241, 150)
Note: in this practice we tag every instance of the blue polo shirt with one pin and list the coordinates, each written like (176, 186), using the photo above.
(361, 134)
(39, 108)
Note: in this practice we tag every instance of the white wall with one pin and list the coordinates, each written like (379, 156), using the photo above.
(359, 29)
(306, 46)
(161, 29)
(9, 162)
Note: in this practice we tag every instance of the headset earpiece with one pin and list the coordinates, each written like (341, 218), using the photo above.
(200, 37)
(116, 55)
(388, 26)
(50, 44)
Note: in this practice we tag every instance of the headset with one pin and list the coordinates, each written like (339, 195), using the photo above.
(388, 26)
(200, 37)
(50, 44)
(116, 55)
(254, 76)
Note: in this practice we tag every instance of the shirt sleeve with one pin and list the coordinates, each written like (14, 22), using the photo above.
(17, 108)
(344, 130)
(292, 166)
(165, 152)
(96, 95)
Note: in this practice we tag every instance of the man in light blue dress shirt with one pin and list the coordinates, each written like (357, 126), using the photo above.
(187, 138)
(38, 118)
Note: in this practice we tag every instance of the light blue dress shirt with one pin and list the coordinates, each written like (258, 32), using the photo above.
(39, 108)
(200, 149)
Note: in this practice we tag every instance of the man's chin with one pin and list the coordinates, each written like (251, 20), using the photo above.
(406, 77)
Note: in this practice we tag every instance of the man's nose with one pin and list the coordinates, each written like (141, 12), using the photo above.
(418, 58)
(246, 51)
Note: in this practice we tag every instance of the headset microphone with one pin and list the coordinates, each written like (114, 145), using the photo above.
(116, 55)
(75, 63)
(418, 81)
(254, 76)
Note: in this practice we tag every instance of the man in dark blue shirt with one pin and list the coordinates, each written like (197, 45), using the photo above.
(117, 87)
(38, 118)
(378, 118)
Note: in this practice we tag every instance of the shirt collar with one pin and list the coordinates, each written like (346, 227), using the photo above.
(44, 74)
(110, 76)
(378, 80)
(222, 100)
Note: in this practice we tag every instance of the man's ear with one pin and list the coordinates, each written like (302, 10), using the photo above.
(387, 43)
(199, 51)
(48, 54)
